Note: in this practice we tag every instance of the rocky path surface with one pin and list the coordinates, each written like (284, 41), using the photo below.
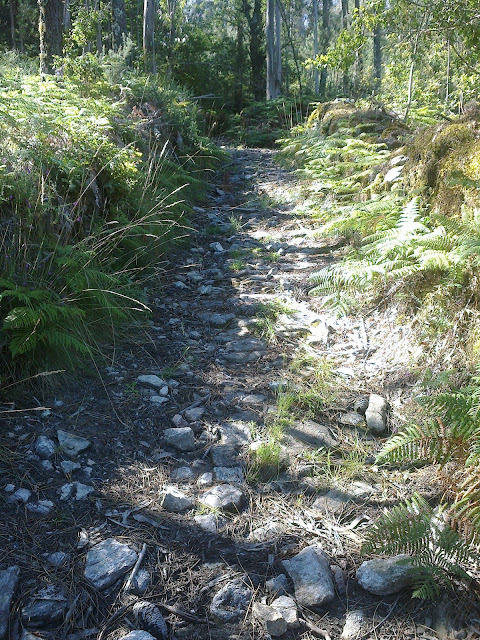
(146, 504)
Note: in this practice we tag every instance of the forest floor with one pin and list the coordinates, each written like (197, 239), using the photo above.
(261, 384)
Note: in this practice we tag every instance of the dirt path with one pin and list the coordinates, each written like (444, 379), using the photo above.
(157, 466)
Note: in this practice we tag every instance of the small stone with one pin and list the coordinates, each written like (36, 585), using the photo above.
(66, 491)
(210, 522)
(217, 320)
(151, 382)
(216, 247)
(254, 398)
(393, 174)
(223, 496)
(48, 466)
(229, 474)
(57, 558)
(223, 455)
(158, 400)
(8, 584)
(333, 502)
(267, 532)
(82, 490)
(72, 444)
(40, 508)
(205, 479)
(354, 625)
(288, 608)
(44, 447)
(45, 607)
(230, 604)
(376, 414)
(384, 576)
(69, 467)
(271, 619)
(313, 433)
(277, 586)
(20, 495)
(150, 618)
(235, 433)
(9, 488)
(140, 583)
(179, 421)
(181, 438)
(107, 561)
(352, 419)
(312, 577)
(175, 500)
(138, 635)
(182, 474)
(194, 414)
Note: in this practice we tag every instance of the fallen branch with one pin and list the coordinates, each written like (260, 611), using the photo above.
(135, 569)
(321, 633)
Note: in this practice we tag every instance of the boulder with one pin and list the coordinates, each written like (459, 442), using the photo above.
(384, 576)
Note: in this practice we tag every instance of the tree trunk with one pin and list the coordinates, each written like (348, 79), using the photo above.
(278, 47)
(270, 39)
(67, 15)
(99, 32)
(345, 78)
(50, 31)
(239, 65)
(257, 55)
(316, 75)
(119, 23)
(13, 10)
(149, 32)
(326, 6)
(377, 56)
(357, 81)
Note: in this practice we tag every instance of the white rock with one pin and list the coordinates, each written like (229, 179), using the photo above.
(175, 500)
(108, 561)
(288, 608)
(376, 414)
(138, 635)
(152, 382)
(312, 577)
(205, 479)
(271, 619)
(72, 444)
(20, 495)
(40, 508)
(354, 625)
(223, 496)
(210, 522)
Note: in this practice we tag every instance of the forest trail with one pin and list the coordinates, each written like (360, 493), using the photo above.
(168, 464)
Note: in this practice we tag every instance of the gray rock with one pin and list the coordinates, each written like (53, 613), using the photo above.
(229, 474)
(216, 247)
(194, 414)
(210, 522)
(175, 500)
(271, 619)
(8, 583)
(333, 502)
(217, 320)
(140, 583)
(75, 489)
(376, 414)
(230, 604)
(288, 608)
(223, 496)
(152, 382)
(182, 438)
(223, 455)
(313, 433)
(312, 577)
(44, 447)
(158, 400)
(179, 421)
(384, 576)
(47, 606)
(235, 433)
(57, 558)
(40, 508)
(108, 561)
(20, 495)
(150, 618)
(68, 466)
(182, 474)
(9, 488)
(267, 532)
(205, 479)
(352, 419)
(253, 398)
(393, 174)
(138, 635)
(277, 586)
(234, 357)
(354, 625)
(72, 444)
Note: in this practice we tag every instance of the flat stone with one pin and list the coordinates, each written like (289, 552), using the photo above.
(194, 414)
(332, 502)
(158, 400)
(210, 522)
(179, 421)
(205, 479)
(45, 447)
(57, 558)
(46, 607)
(182, 438)
(175, 500)
(107, 562)
(182, 474)
(138, 635)
(8, 583)
(253, 398)
(223, 496)
(241, 358)
(223, 455)
(72, 444)
(152, 382)
(277, 586)
(68, 466)
(230, 604)
(312, 577)
(271, 619)
(40, 508)
(352, 419)
(288, 608)
(229, 474)
(376, 414)
(20, 495)
(384, 576)
(140, 582)
(235, 433)
(312, 433)
(75, 489)
(217, 320)
(246, 345)
(267, 532)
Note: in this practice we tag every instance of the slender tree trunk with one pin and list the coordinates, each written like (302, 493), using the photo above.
(291, 42)
(149, 32)
(345, 78)
(99, 32)
(50, 31)
(270, 39)
(257, 54)
(67, 15)
(377, 56)
(316, 75)
(171, 8)
(326, 6)
(239, 65)
(358, 59)
(119, 23)
(278, 48)
(13, 10)
(447, 88)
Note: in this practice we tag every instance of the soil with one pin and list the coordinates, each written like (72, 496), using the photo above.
(267, 252)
